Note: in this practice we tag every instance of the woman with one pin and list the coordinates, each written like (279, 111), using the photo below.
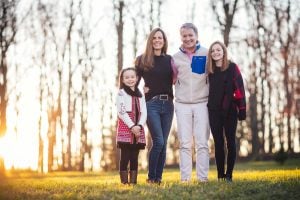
(226, 104)
(154, 66)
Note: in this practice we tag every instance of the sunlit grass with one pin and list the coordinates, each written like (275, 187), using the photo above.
(255, 180)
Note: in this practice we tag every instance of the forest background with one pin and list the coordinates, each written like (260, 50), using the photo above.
(59, 75)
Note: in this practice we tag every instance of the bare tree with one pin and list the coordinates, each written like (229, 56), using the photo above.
(260, 41)
(70, 99)
(271, 24)
(287, 31)
(87, 62)
(54, 108)
(119, 6)
(10, 21)
(8, 31)
(225, 19)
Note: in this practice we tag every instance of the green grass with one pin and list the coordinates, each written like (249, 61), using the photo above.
(254, 180)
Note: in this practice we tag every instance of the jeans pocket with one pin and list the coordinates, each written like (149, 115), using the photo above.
(150, 101)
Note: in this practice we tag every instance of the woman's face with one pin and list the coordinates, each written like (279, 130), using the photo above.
(158, 41)
(217, 52)
(130, 78)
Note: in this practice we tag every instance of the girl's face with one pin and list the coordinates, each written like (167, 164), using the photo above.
(130, 78)
(158, 41)
(188, 38)
(217, 52)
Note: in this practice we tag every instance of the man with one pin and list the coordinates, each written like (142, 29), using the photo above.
(191, 96)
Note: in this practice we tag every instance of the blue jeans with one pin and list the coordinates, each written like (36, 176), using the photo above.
(159, 122)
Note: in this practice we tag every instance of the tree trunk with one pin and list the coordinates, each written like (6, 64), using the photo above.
(51, 137)
(3, 97)
(120, 30)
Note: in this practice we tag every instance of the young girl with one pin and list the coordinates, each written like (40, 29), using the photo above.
(132, 114)
(226, 104)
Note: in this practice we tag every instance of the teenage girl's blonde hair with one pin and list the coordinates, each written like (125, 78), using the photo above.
(211, 64)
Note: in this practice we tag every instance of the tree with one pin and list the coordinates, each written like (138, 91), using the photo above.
(9, 24)
(287, 30)
(8, 31)
(119, 24)
(225, 18)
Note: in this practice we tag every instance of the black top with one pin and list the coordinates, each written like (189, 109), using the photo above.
(159, 78)
(217, 82)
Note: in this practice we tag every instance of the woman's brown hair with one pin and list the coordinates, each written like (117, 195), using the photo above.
(211, 64)
(145, 61)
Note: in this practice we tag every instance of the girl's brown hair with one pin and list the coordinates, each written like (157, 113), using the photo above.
(145, 61)
(211, 64)
(121, 84)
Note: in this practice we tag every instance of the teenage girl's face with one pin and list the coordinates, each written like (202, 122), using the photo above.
(158, 41)
(217, 52)
(188, 38)
(130, 78)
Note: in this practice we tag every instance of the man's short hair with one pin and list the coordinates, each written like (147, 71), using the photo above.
(191, 26)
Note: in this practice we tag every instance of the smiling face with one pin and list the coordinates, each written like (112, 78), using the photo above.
(189, 38)
(158, 41)
(130, 78)
(217, 54)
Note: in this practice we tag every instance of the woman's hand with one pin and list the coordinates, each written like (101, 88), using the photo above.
(146, 89)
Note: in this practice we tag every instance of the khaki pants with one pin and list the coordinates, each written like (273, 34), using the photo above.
(193, 125)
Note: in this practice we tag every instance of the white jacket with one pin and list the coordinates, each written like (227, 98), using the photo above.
(124, 105)
(190, 87)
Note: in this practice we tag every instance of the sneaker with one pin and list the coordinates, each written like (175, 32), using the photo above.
(203, 181)
(185, 181)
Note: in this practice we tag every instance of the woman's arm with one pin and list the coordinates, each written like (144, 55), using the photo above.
(174, 70)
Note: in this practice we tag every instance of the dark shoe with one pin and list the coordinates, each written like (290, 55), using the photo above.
(228, 179)
(150, 181)
(133, 177)
(221, 177)
(124, 177)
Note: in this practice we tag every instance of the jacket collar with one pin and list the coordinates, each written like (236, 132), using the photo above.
(185, 51)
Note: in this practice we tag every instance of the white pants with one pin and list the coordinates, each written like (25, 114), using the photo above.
(193, 123)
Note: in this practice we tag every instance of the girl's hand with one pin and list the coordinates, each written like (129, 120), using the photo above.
(136, 130)
(137, 136)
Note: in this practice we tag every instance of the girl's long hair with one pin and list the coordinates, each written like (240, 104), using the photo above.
(145, 61)
(211, 64)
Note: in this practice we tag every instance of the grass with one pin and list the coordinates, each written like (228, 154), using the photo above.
(254, 180)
